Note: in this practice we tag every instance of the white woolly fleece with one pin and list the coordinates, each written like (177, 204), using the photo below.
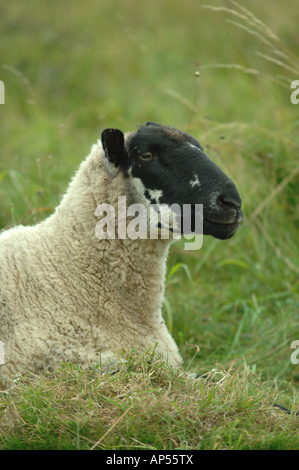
(65, 295)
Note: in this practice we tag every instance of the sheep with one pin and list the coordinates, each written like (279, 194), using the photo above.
(68, 295)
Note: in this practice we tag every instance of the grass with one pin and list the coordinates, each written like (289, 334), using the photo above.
(147, 407)
(233, 307)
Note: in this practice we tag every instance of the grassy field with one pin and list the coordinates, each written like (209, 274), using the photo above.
(71, 69)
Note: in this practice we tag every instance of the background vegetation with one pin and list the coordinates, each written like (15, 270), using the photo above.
(73, 68)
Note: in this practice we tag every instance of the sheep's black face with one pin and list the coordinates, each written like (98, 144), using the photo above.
(167, 166)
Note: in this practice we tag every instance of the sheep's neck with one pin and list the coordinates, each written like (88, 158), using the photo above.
(132, 270)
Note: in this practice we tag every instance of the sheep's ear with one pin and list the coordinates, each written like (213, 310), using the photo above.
(113, 142)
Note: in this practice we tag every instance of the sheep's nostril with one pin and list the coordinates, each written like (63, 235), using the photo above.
(230, 201)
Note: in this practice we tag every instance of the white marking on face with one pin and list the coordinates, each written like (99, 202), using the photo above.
(195, 182)
(193, 146)
(157, 212)
(139, 190)
(155, 195)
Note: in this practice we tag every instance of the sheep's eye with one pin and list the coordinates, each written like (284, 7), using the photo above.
(146, 156)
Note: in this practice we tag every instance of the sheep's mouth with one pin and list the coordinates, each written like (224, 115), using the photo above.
(222, 229)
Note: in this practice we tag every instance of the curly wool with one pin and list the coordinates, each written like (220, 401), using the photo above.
(65, 295)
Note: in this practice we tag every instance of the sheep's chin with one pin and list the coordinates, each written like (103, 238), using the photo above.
(223, 231)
